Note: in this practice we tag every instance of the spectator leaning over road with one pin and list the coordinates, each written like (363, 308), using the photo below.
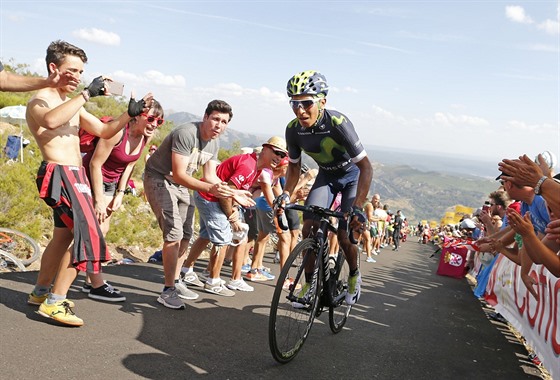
(109, 168)
(530, 202)
(216, 216)
(167, 180)
(265, 189)
(54, 120)
(538, 176)
(12, 82)
(330, 139)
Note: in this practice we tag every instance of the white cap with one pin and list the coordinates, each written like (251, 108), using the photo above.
(239, 236)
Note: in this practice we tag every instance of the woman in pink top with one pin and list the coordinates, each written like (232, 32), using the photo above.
(109, 167)
(113, 160)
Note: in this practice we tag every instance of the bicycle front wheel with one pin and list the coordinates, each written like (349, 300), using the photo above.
(338, 313)
(294, 304)
(19, 245)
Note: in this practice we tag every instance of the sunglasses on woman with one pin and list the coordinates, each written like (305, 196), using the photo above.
(151, 118)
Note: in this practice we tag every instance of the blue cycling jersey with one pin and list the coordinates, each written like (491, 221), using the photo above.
(332, 142)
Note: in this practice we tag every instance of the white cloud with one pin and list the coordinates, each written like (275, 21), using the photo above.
(451, 119)
(98, 36)
(517, 14)
(533, 128)
(151, 77)
(550, 27)
(225, 90)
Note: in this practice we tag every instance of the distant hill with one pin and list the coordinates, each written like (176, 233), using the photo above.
(427, 194)
(182, 117)
(423, 186)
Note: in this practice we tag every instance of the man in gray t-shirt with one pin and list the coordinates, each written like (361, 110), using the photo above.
(167, 180)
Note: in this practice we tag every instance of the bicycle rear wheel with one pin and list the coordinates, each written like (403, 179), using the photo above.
(338, 314)
(293, 309)
(19, 245)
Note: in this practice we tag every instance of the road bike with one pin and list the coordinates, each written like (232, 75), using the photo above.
(17, 250)
(294, 305)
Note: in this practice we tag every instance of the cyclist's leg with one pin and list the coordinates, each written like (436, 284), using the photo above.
(321, 194)
(349, 184)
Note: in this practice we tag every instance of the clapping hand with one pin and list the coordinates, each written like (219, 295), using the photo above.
(520, 224)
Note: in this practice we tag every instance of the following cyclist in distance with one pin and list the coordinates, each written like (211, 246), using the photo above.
(330, 139)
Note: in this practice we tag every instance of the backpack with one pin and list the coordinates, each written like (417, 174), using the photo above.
(89, 141)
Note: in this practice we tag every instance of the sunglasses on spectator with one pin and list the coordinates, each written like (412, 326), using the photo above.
(305, 104)
(151, 118)
(279, 153)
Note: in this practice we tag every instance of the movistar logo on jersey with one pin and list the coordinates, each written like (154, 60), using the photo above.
(338, 120)
(292, 123)
(326, 155)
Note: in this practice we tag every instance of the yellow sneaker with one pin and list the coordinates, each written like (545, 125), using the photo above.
(33, 299)
(60, 312)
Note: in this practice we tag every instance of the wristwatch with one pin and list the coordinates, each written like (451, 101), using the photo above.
(539, 184)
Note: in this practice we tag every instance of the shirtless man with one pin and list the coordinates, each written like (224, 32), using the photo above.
(54, 120)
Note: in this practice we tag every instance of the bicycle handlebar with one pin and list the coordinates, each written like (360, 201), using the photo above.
(317, 210)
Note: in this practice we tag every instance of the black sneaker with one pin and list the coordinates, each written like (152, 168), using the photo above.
(106, 293)
(86, 288)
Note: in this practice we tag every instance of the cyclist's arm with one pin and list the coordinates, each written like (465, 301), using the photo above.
(364, 181)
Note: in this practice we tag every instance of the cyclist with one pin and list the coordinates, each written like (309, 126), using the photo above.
(330, 139)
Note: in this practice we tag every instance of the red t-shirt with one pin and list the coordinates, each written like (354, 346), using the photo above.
(241, 170)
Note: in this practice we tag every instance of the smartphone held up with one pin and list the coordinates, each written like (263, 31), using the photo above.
(114, 88)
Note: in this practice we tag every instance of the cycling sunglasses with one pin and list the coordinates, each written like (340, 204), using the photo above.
(150, 119)
(305, 104)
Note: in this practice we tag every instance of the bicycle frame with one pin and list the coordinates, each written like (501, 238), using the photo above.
(322, 246)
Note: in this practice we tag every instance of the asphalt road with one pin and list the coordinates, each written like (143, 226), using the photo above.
(410, 324)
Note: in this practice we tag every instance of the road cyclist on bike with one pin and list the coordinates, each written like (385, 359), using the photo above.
(330, 139)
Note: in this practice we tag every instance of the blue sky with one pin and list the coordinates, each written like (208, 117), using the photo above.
(469, 78)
